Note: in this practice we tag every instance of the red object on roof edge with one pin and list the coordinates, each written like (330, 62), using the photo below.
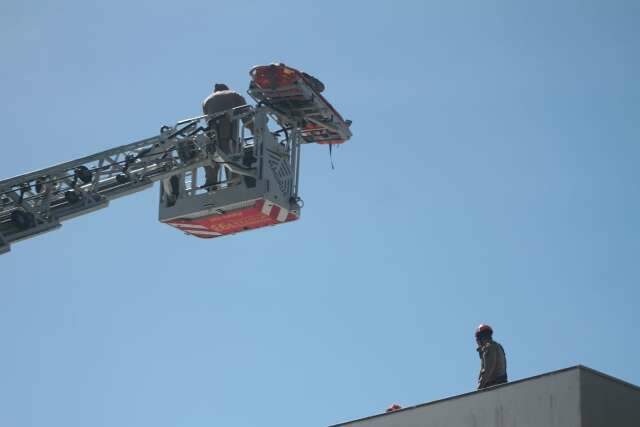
(393, 408)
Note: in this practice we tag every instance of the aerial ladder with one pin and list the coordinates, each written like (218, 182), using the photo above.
(260, 168)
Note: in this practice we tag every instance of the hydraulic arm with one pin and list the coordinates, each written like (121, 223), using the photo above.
(39, 201)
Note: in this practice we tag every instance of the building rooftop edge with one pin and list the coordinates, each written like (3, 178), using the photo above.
(607, 376)
(458, 396)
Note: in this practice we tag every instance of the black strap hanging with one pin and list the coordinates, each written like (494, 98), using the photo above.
(331, 156)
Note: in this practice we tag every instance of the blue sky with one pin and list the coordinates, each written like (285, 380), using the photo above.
(492, 177)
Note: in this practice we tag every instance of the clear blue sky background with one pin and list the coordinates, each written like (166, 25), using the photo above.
(493, 177)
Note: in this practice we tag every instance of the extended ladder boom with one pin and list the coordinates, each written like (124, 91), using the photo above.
(39, 201)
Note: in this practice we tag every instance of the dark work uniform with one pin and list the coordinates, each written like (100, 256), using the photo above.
(225, 129)
(493, 365)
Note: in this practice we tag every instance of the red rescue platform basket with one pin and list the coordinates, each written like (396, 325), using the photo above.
(259, 188)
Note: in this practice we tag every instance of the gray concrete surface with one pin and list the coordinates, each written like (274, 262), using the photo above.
(572, 397)
(607, 401)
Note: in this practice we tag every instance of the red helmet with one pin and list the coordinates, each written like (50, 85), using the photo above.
(484, 330)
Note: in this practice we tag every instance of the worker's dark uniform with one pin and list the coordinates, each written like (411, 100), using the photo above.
(493, 368)
(225, 129)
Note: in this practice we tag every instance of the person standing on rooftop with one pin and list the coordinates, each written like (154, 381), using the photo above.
(493, 361)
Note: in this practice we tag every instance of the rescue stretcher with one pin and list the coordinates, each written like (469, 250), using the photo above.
(295, 98)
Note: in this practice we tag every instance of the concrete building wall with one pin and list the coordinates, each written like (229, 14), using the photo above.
(608, 402)
(573, 397)
(546, 401)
